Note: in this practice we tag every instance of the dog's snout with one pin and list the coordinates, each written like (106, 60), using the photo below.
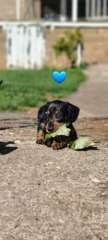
(50, 127)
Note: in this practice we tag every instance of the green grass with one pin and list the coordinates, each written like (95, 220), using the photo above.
(31, 88)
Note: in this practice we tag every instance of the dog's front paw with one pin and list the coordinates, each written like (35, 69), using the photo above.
(55, 146)
(58, 145)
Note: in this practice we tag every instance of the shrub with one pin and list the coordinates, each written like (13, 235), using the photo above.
(68, 44)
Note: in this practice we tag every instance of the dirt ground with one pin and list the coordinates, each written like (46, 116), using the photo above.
(52, 195)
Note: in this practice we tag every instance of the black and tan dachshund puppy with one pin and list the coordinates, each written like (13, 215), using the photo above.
(53, 115)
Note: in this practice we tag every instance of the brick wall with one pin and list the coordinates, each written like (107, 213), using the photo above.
(7, 9)
(27, 12)
(95, 46)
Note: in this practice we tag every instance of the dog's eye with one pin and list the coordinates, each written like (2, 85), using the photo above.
(59, 117)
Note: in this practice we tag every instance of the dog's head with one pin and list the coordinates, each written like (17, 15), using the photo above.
(54, 114)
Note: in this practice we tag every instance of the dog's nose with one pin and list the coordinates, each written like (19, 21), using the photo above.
(50, 128)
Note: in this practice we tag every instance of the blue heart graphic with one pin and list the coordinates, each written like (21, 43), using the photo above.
(59, 77)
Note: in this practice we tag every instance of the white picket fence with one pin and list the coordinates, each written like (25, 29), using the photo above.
(25, 46)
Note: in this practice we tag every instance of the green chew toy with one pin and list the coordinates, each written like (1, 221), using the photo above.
(79, 144)
(62, 131)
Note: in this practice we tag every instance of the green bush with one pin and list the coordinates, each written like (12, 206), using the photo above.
(68, 45)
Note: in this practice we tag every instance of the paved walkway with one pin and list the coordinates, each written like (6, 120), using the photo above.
(92, 96)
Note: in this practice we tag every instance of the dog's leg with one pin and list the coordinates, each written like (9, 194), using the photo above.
(40, 136)
(48, 142)
(73, 134)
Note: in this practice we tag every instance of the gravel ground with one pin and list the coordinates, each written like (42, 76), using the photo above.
(52, 195)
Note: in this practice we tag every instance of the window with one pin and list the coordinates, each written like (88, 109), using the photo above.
(81, 9)
(50, 9)
(97, 9)
(74, 10)
(57, 10)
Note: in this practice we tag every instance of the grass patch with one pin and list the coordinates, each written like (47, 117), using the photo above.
(31, 88)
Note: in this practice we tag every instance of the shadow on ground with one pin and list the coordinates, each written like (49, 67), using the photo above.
(5, 147)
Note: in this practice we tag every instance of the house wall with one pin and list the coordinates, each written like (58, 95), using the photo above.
(8, 10)
(95, 46)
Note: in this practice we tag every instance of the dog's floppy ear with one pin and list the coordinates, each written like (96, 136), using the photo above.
(71, 112)
(41, 112)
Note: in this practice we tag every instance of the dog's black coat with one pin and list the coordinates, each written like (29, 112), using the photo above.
(51, 116)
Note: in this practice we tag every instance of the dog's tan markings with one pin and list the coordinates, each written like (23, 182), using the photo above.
(40, 136)
(57, 125)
